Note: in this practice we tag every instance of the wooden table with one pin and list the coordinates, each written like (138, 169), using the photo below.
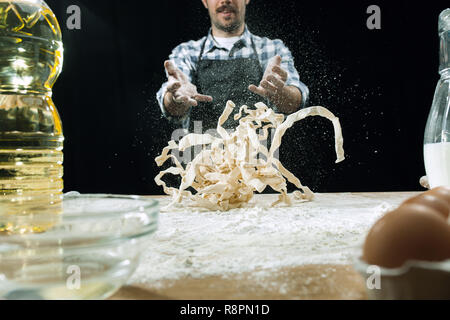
(299, 282)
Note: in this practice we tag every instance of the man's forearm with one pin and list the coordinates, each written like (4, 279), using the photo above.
(173, 108)
(289, 100)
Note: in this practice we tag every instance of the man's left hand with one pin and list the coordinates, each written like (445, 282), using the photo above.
(273, 87)
(273, 82)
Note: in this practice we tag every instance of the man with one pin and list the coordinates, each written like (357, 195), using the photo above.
(230, 63)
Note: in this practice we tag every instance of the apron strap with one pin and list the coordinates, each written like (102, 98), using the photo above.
(257, 57)
(195, 76)
(202, 50)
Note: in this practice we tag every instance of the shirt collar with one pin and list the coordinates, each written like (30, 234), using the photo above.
(245, 39)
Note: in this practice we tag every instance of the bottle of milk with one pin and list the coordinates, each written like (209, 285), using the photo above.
(437, 132)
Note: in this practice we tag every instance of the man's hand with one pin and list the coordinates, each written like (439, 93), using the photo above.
(273, 86)
(181, 93)
(273, 81)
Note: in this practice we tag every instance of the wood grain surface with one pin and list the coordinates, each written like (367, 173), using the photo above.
(299, 282)
(302, 282)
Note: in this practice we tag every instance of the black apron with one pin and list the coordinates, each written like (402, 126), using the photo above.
(224, 80)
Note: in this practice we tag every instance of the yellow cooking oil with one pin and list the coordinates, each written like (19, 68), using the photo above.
(31, 135)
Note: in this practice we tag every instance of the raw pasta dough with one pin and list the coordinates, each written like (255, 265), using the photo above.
(231, 167)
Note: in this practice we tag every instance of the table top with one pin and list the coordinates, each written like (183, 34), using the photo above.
(304, 280)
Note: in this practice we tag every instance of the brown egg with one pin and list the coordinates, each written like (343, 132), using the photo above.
(441, 192)
(432, 201)
(412, 232)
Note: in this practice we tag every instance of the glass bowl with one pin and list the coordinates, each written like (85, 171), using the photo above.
(71, 246)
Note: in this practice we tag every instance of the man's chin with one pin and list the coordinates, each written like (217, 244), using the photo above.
(228, 26)
(228, 22)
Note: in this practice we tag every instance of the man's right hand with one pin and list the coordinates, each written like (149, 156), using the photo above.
(181, 93)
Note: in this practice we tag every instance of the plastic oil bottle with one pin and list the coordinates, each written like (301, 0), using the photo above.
(437, 132)
(31, 137)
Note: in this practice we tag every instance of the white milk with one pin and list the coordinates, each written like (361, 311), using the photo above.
(437, 163)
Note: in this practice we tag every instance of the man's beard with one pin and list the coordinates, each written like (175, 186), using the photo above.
(228, 28)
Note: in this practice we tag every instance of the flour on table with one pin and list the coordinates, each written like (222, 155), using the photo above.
(328, 230)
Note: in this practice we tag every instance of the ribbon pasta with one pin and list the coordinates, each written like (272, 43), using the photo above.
(231, 167)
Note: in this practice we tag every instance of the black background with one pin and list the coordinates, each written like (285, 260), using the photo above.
(380, 83)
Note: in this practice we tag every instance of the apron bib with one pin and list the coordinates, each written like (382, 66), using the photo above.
(224, 80)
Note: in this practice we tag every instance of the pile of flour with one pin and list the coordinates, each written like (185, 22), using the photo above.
(190, 243)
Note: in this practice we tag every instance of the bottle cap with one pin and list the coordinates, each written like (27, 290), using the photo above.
(444, 21)
(444, 34)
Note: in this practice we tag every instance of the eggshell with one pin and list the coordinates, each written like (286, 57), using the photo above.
(432, 201)
(411, 232)
(441, 192)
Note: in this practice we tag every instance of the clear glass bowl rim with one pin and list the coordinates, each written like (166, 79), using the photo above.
(104, 238)
(149, 203)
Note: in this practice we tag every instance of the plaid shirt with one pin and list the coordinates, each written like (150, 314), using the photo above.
(186, 55)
